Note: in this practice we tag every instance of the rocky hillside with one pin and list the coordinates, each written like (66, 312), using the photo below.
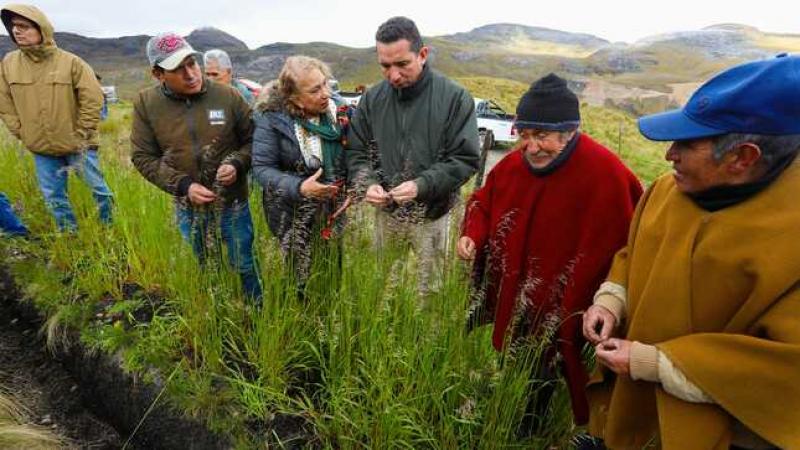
(206, 38)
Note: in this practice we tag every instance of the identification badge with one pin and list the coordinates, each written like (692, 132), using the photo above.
(216, 116)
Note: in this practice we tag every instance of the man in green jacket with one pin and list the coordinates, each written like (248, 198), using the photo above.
(192, 138)
(50, 100)
(413, 143)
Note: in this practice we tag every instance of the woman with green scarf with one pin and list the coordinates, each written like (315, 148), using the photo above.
(298, 159)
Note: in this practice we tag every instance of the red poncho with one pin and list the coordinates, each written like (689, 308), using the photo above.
(545, 244)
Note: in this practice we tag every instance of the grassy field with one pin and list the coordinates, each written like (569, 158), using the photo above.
(360, 364)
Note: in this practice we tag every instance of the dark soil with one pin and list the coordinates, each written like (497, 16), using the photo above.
(43, 386)
(86, 395)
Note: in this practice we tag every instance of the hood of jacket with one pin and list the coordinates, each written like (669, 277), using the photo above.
(32, 13)
(275, 101)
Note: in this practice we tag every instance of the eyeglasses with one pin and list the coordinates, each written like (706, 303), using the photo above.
(21, 26)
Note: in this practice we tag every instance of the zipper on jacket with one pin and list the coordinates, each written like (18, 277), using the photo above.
(403, 140)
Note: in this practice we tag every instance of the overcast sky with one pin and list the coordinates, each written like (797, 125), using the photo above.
(354, 22)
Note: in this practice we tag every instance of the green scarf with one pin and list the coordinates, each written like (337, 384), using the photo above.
(332, 149)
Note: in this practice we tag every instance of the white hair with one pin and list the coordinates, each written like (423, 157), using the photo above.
(220, 56)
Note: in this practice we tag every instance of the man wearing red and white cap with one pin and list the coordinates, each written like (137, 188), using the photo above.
(193, 139)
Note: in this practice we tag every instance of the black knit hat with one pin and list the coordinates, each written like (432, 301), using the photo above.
(549, 105)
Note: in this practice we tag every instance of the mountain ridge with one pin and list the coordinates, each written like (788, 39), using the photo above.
(619, 74)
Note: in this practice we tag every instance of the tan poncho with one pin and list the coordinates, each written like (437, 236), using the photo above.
(719, 294)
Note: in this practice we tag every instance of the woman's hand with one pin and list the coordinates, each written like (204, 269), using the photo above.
(405, 192)
(312, 188)
(200, 195)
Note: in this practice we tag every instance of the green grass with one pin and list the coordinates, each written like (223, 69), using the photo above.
(361, 364)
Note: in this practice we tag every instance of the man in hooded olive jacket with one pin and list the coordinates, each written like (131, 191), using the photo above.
(413, 142)
(697, 328)
(50, 99)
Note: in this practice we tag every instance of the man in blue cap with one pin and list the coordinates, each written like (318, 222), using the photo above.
(697, 328)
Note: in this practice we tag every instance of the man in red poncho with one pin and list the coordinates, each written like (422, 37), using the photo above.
(543, 231)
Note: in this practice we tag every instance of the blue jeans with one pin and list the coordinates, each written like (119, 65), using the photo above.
(9, 222)
(236, 227)
(52, 171)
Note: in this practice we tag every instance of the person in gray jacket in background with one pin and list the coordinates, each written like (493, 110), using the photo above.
(218, 67)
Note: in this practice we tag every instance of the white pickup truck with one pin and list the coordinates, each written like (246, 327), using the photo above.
(491, 117)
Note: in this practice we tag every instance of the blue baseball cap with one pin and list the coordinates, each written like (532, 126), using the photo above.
(761, 97)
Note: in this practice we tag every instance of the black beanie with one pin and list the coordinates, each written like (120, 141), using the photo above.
(549, 105)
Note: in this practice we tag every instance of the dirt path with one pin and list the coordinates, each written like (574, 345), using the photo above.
(45, 388)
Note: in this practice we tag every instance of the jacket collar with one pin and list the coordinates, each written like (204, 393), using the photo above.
(413, 91)
(184, 98)
(38, 53)
(721, 197)
(560, 160)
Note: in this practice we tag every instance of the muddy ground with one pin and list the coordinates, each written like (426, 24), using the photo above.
(85, 396)
(44, 387)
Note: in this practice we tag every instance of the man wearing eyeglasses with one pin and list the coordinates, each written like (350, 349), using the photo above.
(50, 100)
(542, 232)
(193, 139)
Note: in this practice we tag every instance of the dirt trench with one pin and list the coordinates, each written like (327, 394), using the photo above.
(46, 390)
(85, 397)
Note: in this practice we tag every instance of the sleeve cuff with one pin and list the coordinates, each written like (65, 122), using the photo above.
(613, 297)
(183, 186)
(422, 188)
(644, 362)
(612, 304)
(296, 190)
(674, 381)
